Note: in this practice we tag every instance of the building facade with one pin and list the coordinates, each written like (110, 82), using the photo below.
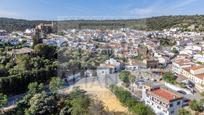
(162, 100)
(194, 73)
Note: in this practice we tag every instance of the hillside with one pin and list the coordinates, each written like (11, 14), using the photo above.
(195, 23)
(10, 24)
(190, 23)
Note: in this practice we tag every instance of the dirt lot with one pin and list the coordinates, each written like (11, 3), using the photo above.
(103, 94)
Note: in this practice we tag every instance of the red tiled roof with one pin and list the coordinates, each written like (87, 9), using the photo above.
(200, 76)
(183, 61)
(187, 69)
(166, 94)
(197, 67)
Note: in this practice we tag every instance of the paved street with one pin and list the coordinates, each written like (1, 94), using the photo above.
(103, 81)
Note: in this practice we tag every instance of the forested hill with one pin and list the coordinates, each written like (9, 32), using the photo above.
(10, 24)
(194, 23)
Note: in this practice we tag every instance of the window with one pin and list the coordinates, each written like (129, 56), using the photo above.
(165, 111)
(172, 112)
(178, 103)
(171, 105)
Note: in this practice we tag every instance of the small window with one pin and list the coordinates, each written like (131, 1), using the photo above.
(178, 103)
(171, 105)
(172, 112)
(165, 111)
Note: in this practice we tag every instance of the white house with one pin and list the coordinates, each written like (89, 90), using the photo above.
(59, 42)
(162, 100)
(114, 63)
(3, 33)
(90, 73)
(29, 31)
(110, 66)
(193, 72)
(15, 41)
(133, 65)
(104, 70)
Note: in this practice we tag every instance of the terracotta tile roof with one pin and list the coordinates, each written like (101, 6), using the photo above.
(165, 94)
(183, 61)
(200, 76)
(187, 69)
(110, 65)
(196, 67)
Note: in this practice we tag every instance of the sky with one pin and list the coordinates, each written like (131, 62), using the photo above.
(97, 9)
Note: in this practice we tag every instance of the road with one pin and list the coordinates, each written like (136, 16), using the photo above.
(103, 81)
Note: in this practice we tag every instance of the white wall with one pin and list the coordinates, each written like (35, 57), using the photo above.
(103, 71)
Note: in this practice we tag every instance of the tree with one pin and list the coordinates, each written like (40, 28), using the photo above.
(3, 71)
(124, 77)
(37, 38)
(55, 84)
(79, 102)
(96, 107)
(3, 100)
(35, 88)
(76, 102)
(202, 94)
(142, 109)
(182, 111)
(79, 105)
(49, 52)
(169, 77)
(41, 104)
(133, 105)
(194, 105)
(65, 111)
(175, 51)
(24, 62)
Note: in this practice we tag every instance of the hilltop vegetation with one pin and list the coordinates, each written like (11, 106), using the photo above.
(188, 23)
(10, 24)
(194, 23)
